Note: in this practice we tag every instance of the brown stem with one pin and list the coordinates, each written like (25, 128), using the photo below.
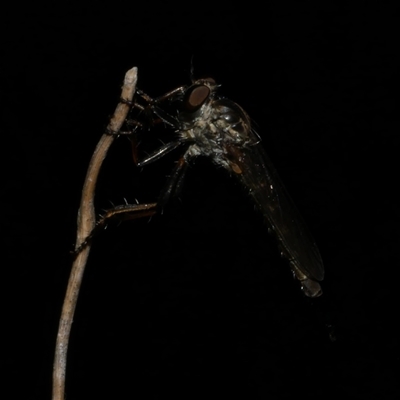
(86, 223)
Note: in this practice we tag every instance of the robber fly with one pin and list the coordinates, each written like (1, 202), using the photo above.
(206, 124)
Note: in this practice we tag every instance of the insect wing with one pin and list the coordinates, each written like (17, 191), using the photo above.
(255, 171)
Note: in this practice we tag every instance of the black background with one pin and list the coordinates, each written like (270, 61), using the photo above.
(197, 303)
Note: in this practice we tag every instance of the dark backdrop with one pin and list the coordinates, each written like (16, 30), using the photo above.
(197, 303)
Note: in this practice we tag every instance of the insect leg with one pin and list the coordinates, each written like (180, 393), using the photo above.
(122, 212)
(161, 152)
(174, 183)
(177, 91)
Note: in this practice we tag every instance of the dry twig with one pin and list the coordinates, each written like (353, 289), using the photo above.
(86, 224)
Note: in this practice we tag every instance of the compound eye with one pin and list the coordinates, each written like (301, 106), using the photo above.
(196, 97)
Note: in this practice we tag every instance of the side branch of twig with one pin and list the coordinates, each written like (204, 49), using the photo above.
(86, 223)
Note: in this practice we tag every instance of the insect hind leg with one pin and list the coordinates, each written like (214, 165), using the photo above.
(122, 212)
